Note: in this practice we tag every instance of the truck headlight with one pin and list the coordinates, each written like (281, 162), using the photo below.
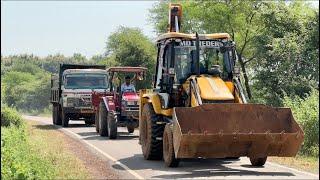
(70, 101)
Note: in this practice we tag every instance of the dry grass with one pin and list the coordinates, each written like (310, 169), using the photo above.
(309, 164)
(50, 144)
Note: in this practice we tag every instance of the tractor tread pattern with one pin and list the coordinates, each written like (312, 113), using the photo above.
(156, 130)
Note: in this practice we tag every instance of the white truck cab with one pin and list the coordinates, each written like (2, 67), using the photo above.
(71, 92)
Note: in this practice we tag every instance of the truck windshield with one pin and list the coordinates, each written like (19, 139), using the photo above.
(209, 57)
(86, 81)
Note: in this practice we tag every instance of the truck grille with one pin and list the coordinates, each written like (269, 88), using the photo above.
(79, 102)
(132, 107)
(85, 102)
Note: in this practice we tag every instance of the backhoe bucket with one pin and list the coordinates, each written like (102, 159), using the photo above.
(234, 130)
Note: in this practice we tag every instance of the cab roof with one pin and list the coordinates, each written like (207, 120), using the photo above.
(73, 71)
(127, 69)
(193, 36)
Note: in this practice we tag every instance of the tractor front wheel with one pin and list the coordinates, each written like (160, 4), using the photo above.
(112, 125)
(103, 124)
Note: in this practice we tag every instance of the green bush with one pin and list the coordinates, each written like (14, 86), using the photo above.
(10, 117)
(18, 160)
(306, 113)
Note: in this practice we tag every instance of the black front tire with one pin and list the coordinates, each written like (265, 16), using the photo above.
(65, 119)
(112, 125)
(103, 124)
(58, 115)
(168, 150)
(54, 114)
(151, 134)
(258, 161)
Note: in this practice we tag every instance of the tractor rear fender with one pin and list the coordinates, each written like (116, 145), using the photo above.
(109, 102)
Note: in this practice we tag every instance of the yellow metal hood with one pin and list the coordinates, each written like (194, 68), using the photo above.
(213, 88)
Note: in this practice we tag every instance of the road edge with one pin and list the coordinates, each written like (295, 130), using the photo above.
(79, 138)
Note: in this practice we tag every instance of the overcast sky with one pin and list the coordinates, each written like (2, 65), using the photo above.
(68, 27)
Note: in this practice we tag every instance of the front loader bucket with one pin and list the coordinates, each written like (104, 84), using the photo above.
(234, 130)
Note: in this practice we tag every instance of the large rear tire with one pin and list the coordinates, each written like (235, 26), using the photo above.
(96, 119)
(168, 150)
(103, 124)
(65, 119)
(150, 134)
(112, 126)
(258, 161)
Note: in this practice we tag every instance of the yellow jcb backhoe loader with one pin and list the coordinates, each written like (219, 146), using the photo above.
(197, 107)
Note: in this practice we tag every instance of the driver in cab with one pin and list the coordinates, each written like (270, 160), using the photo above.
(127, 86)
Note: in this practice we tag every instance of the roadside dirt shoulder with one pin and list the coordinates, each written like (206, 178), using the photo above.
(98, 167)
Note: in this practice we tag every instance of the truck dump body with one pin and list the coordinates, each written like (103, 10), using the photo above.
(233, 130)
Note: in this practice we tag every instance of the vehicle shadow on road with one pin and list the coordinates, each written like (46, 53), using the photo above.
(195, 168)
(96, 136)
(88, 134)
(126, 136)
(79, 125)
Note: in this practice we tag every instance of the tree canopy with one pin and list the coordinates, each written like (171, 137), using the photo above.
(129, 47)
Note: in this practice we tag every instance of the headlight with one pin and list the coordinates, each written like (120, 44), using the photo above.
(71, 101)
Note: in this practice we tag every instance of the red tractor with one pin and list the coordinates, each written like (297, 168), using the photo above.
(117, 107)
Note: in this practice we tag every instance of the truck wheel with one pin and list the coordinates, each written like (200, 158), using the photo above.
(150, 134)
(258, 161)
(112, 125)
(168, 150)
(130, 128)
(65, 119)
(58, 115)
(54, 114)
(103, 124)
(90, 121)
(97, 121)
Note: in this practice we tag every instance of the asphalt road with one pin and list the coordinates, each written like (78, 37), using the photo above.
(126, 154)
